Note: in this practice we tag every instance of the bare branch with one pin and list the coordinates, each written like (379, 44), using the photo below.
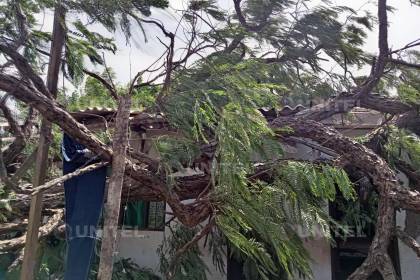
(25, 69)
(29, 161)
(413, 44)
(68, 176)
(104, 82)
(404, 63)
(242, 19)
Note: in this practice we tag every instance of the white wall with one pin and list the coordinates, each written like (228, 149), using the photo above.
(140, 246)
(409, 262)
(320, 252)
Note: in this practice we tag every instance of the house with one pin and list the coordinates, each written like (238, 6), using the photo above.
(329, 262)
(143, 223)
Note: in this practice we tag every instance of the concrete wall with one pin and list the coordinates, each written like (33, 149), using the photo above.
(140, 246)
(320, 252)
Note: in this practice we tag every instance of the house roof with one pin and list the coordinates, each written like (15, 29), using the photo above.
(139, 120)
(358, 118)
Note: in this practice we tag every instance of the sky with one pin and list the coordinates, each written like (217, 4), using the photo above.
(138, 55)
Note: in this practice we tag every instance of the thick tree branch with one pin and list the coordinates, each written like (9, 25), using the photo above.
(26, 165)
(14, 149)
(54, 113)
(11, 227)
(382, 176)
(19, 242)
(25, 69)
(408, 240)
(115, 186)
(406, 199)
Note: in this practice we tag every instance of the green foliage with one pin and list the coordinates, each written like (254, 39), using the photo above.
(95, 94)
(97, 40)
(175, 153)
(189, 266)
(126, 269)
(409, 81)
(405, 146)
(113, 16)
(75, 51)
(4, 206)
(145, 97)
(80, 42)
(202, 94)
(409, 94)
(258, 218)
(405, 81)
(208, 6)
(262, 12)
(359, 216)
(218, 100)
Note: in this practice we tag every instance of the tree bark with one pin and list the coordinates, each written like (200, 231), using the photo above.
(112, 207)
(19, 242)
(14, 149)
(66, 177)
(54, 113)
(408, 240)
(382, 176)
(31, 252)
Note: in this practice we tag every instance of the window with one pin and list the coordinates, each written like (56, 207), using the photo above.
(143, 215)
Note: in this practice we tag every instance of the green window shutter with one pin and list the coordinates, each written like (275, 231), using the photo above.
(134, 216)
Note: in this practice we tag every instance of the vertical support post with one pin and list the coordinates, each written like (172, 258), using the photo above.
(31, 251)
(112, 208)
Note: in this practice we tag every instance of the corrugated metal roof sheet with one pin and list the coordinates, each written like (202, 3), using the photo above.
(358, 117)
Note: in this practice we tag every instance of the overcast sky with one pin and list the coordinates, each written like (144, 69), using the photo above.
(404, 28)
